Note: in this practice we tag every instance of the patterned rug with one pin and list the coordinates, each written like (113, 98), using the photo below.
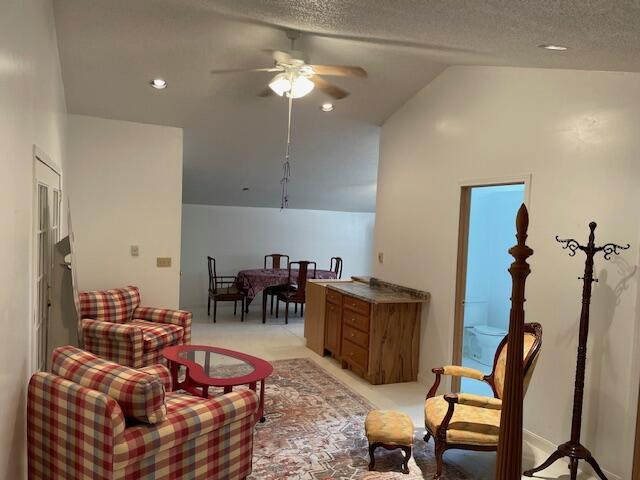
(315, 430)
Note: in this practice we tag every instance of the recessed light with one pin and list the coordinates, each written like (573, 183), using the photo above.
(326, 107)
(557, 48)
(158, 83)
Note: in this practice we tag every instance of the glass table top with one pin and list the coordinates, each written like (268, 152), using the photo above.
(218, 365)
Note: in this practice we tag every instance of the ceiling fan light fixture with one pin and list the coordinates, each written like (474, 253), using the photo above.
(280, 84)
(300, 87)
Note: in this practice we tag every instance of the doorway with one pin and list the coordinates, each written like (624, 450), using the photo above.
(487, 231)
(47, 202)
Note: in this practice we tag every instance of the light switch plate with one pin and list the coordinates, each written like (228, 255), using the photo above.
(163, 261)
(135, 250)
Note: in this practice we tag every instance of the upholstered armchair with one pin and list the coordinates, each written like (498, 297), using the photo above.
(115, 327)
(91, 419)
(472, 422)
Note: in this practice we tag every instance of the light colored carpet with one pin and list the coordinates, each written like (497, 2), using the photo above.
(315, 430)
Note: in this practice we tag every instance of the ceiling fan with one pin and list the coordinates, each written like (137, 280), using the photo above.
(296, 78)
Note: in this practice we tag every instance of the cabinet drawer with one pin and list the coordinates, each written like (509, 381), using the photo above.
(356, 336)
(356, 305)
(334, 297)
(352, 353)
(355, 320)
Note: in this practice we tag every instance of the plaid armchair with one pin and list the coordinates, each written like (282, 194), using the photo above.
(92, 419)
(114, 326)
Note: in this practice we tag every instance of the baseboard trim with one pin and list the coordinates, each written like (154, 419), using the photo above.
(548, 447)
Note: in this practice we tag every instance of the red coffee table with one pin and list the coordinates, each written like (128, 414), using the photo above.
(208, 366)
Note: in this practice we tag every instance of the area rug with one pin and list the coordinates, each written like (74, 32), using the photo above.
(315, 430)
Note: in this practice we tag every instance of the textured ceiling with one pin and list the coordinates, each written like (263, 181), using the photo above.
(110, 49)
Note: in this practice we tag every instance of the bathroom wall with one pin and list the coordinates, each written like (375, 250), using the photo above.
(491, 233)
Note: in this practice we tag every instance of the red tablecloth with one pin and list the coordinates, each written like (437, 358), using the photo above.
(255, 280)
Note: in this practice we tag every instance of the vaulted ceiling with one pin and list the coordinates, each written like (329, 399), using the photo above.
(110, 49)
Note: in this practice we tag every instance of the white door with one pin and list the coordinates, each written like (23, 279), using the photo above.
(48, 198)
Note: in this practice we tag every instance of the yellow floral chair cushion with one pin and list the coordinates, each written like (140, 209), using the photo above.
(501, 365)
(389, 427)
(477, 423)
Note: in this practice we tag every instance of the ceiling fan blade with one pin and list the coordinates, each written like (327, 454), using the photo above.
(267, 92)
(339, 70)
(240, 70)
(328, 88)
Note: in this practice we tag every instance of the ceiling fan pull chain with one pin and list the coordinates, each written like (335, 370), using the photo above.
(286, 166)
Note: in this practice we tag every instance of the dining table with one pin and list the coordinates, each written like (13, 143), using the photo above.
(255, 280)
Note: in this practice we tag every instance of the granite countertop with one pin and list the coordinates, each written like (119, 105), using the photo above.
(378, 291)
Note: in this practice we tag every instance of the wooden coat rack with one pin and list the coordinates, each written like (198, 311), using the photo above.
(573, 449)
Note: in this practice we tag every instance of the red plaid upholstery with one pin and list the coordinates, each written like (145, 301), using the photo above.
(162, 373)
(116, 305)
(120, 343)
(137, 340)
(189, 417)
(181, 318)
(156, 336)
(139, 394)
(76, 433)
(71, 430)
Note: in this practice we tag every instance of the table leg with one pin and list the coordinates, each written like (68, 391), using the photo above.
(264, 306)
(174, 369)
(261, 403)
(228, 389)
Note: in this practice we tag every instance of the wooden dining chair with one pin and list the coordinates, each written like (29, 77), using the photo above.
(295, 290)
(276, 262)
(224, 288)
(336, 266)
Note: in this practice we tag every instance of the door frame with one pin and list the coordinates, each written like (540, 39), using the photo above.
(41, 156)
(465, 187)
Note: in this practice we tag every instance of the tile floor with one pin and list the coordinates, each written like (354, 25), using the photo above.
(275, 340)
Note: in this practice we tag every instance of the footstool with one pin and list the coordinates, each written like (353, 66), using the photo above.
(391, 430)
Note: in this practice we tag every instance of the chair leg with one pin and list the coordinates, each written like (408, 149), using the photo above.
(208, 306)
(295, 308)
(439, 454)
(286, 312)
(215, 309)
(242, 302)
(271, 304)
(235, 307)
(372, 458)
(302, 309)
(277, 307)
(407, 457)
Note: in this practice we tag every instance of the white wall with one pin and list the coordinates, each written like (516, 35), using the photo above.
(576, 133)
(32, 112)
(125, 188)
(240, 237)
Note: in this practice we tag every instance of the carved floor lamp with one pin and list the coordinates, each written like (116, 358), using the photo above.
(573, 449)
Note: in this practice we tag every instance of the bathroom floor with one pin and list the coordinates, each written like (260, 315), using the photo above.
(475, 386)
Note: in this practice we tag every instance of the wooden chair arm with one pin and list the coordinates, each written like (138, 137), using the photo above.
(472, 400)
(455, 371)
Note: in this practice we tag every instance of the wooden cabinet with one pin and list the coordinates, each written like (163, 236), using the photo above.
(378, 341)
(372, 327)
(333, 323)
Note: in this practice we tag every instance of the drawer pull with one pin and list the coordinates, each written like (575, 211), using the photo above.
(351, 354)
(353, 334)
